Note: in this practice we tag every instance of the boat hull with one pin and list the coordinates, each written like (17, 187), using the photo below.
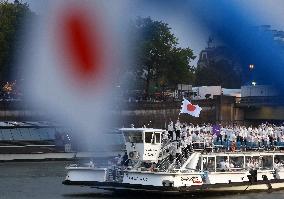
(205, 189)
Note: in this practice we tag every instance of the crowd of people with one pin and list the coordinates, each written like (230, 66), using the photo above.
(183, 138)
(180, 139)
(228, 137)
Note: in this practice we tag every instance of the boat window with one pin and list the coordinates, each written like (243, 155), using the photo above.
(135, 137)
(26, 134)
(158, 137)
(6, 134)
(209, 164)
(148, 137)
(43, 132)
(279, 161)
(16, 133)
(236, 162)
(253, 162)
(267, 162)
(34, 134)
(222, 163)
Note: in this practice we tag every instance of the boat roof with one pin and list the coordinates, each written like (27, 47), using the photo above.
(141, 129)
(26, 124)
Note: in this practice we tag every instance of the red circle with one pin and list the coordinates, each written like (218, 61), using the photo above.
(190, 107)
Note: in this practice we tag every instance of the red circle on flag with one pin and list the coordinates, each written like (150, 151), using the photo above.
(190, 107)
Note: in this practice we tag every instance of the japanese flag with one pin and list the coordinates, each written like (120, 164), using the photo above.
(189, 108)
(76, 49)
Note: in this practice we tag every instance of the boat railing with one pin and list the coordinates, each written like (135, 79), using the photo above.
(248, 145)
(230, 146)
(178, 162)
(164, 163)
(187, 170)
(202, 146)
(167, 144)
(229, 170)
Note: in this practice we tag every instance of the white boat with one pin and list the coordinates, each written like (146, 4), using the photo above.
(194, 172)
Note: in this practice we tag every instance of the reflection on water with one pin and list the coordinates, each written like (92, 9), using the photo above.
(43, 180)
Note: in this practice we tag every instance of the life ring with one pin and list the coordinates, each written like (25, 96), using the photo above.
(131, 154)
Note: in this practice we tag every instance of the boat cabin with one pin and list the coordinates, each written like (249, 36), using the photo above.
(142, 143)
(218, 162)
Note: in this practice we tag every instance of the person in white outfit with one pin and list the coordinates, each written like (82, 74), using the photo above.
(171, 130)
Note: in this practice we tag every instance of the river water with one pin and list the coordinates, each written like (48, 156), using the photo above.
(25, 180)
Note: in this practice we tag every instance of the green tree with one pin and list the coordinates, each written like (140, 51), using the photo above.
(12, 16)
(160, 62)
